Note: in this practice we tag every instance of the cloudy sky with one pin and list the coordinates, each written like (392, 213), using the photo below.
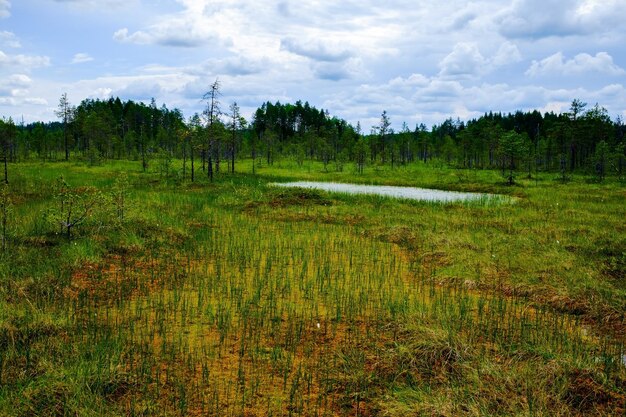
(422, 61)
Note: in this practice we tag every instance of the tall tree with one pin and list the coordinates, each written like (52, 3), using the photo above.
(195, 126)
(360, 149)
(258, 125)
(235, 125)
(212, 113)
(8, 132)
(383, 132)
(65, 112)
(576, 130)
(511, 147)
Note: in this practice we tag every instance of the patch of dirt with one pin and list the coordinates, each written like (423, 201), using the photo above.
(587, 396)
(116, 276)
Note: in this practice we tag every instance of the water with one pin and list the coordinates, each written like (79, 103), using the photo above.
(411, 193)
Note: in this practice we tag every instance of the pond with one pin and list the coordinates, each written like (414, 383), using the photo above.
(411, 193)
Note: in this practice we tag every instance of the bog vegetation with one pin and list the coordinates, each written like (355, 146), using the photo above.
(147, 267)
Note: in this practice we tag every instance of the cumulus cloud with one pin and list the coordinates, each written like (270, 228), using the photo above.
(19, 80)
(137, 87)
(237, 66)
(315, 49)
(175, 34)
(422, 62)
(331, 71)
(189, 28)
(422, 99)
(5, 7)
(14, 91)
(466, 60)
(81, 58)
(556, 64)
(25, 62)
(138, 37)
(545, 18)
(508, 53)
(9, 40)
(15, 85)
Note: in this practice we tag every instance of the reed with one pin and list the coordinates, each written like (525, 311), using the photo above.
(233, 298)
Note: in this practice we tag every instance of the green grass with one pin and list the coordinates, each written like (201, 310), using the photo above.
(238, 298)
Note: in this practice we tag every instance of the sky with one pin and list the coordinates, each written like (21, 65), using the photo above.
(421, 61)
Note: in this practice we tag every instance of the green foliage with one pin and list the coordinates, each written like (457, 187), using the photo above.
(511, 148)
(119, 197)
(73, 207)
(93, 157)
(600, 160)
(102, 130)
(341, 159)
(618, 161)
(163, 159)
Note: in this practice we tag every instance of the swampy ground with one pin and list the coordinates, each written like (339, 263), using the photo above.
(237, 298)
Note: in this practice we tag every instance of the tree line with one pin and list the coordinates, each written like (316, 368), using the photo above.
(582, 139)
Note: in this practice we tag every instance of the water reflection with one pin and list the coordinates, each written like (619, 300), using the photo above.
(411, 193)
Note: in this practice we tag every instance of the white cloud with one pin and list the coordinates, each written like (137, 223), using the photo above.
(5, 7)
(15, 85)
(176, 34)
(188, 28)
(24, 62)
(315, 49)
(508, 53)
(15, 92)
(422, 99)
(421, 61)
(137, 87)
(556, 65)
(81, 58)
(101, 93)
(20, 80)
(547, 18)
(464, 60)
(9, 40)
(138, 37)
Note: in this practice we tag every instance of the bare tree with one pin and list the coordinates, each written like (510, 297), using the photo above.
(212, 113)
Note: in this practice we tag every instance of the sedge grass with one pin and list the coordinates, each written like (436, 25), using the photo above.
(233, 299)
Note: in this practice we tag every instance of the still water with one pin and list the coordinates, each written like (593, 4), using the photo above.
(411, 193)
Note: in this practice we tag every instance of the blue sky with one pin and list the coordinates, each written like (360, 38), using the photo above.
(422, 61)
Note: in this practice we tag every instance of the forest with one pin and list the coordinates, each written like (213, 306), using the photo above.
(584, 139)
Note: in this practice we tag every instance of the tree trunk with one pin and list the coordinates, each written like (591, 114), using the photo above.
(253, 155)
(184, 162)
(232, 158)
(6, 169)
(67, 150)
(217, 158)
(192, 167)
(144, 165)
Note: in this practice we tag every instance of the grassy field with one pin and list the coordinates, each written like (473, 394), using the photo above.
(237, 298)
